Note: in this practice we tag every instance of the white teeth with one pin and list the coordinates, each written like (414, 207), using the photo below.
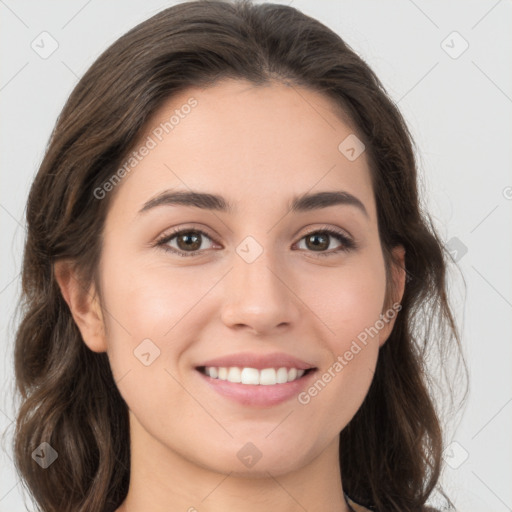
(252, 376)
(234, 374)
(268, 377)
(282, 375)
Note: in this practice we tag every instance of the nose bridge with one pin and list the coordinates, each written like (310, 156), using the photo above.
(256, 294)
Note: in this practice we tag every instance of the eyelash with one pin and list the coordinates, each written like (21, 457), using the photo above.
(347, 243)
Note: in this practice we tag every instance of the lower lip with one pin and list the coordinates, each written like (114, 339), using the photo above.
(258, 395)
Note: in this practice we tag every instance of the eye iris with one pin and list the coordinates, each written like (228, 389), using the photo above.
(316, 236)
(189, 235)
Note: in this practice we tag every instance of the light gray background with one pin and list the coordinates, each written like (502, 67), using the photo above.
(458, 109)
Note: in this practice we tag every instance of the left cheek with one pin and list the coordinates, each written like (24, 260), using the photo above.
(349, 303)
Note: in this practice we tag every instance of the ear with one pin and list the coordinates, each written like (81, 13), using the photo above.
(84, 306)
(398, 275)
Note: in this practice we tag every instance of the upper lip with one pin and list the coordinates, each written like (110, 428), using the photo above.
(258, 361)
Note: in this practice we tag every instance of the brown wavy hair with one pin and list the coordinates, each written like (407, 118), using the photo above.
(391, 451)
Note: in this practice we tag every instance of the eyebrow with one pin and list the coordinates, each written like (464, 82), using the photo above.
(206, 201)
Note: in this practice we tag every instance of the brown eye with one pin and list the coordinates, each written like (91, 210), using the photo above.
(188, 242)
(319, 241)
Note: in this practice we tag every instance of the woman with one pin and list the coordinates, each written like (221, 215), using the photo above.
(229, 286)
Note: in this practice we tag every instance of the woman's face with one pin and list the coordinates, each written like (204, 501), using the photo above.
(264, 280)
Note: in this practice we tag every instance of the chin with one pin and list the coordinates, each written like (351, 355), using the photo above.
(247, 461)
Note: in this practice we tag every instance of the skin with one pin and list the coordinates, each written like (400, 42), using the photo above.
(258, 146)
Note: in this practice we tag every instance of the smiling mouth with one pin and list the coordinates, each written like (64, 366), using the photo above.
(253, 376)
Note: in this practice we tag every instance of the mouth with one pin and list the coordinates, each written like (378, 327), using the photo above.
(253, 376)
(256, 388)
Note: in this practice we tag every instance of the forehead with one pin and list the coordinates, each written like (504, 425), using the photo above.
(247, 143)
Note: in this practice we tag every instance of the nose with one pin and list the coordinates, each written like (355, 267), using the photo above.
(259, 296)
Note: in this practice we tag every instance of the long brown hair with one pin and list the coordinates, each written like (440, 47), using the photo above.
(391, 451)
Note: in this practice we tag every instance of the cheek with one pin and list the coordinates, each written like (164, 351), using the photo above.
(348, 299)
(149, 299)
(147, 333)
(153, 309)
(140, 306)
